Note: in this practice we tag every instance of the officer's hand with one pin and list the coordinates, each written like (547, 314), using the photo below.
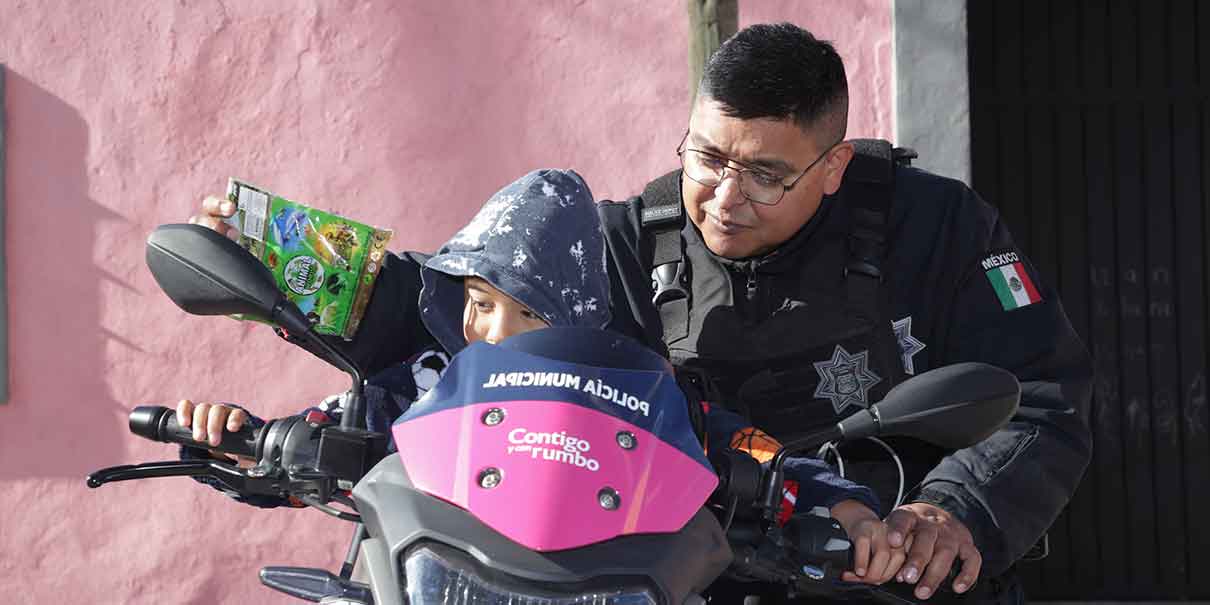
(874, 559)
(213, 211)
(936, 539)
(208, 421)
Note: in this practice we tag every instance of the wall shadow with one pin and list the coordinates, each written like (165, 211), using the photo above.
(59, 419)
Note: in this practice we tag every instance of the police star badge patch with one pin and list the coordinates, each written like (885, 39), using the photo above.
(1010, 280)
(846, 379)
(909, 345)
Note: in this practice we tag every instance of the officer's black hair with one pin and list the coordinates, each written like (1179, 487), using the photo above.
(780, 71)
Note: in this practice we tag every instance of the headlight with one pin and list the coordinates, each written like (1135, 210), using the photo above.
(442, 576)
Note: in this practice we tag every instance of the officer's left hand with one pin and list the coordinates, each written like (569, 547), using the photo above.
(936, 539)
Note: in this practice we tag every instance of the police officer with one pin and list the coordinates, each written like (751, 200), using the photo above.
(803, 286)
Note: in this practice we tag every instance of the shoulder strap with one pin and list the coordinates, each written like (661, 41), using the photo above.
(869, 190)
(869, 186)
(663, 217)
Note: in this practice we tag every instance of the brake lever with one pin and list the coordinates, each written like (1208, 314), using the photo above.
(890, 593)
(260, 480)
(172, 468)
(255, 481)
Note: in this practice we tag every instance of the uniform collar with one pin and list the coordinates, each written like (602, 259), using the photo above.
(777, 258)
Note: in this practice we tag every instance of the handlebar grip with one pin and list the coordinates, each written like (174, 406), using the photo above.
(158, 423)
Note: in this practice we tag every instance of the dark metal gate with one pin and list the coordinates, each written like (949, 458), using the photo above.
(1091, 133)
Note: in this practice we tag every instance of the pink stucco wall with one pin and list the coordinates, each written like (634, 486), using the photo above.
(121, 115)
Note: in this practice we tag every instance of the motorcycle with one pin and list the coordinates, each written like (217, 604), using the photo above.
(560, 467)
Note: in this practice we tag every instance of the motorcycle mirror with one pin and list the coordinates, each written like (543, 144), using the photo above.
(205, 273)
(954, 406)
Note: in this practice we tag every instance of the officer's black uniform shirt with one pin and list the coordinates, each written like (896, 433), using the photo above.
(788, 346)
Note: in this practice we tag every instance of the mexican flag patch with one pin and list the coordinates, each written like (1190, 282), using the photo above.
(1011, 281)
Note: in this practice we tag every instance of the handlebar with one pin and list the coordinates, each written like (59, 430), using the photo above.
(807, 554)
(302, 458)
(158, 423)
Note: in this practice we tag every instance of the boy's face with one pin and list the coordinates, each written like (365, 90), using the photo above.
(491, 315)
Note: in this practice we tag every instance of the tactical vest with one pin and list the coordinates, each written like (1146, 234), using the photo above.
(821, 354)
(804, 365)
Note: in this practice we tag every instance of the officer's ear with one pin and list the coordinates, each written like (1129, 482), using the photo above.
(835, 165)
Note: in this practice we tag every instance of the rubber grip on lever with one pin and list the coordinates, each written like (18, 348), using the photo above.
(158, 423)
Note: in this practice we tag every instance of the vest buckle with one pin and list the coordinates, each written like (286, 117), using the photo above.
(669, 281)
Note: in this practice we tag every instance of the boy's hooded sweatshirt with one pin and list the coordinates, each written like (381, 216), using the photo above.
(539, 241)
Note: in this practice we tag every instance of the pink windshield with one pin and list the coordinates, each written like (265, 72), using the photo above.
(553, 475)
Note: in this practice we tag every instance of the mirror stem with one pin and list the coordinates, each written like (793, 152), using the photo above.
(289, 317)
(774, 485)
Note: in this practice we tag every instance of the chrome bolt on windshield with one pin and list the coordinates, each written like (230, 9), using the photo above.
(627, 440)
(609, 499)
(493, 417)
(489, 478)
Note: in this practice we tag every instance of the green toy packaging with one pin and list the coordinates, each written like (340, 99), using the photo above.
(324, 263)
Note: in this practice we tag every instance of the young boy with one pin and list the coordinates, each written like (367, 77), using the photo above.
(534, 256)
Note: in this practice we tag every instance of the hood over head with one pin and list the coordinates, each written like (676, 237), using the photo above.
(539, 241)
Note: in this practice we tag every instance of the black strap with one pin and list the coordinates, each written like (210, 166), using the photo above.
(868, 189)
(663, 217)
(662, 220)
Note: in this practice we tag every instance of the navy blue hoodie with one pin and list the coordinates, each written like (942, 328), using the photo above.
(539, 241)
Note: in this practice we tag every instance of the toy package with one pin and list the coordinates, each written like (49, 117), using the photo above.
(326, 264)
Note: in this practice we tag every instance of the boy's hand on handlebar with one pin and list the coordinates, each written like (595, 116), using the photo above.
(937, 539)
(208, 421)
(874, 559)
(213, 211)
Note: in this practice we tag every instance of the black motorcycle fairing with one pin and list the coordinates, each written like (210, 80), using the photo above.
(678, 564)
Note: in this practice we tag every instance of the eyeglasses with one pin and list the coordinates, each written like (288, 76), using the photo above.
(759, 186)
